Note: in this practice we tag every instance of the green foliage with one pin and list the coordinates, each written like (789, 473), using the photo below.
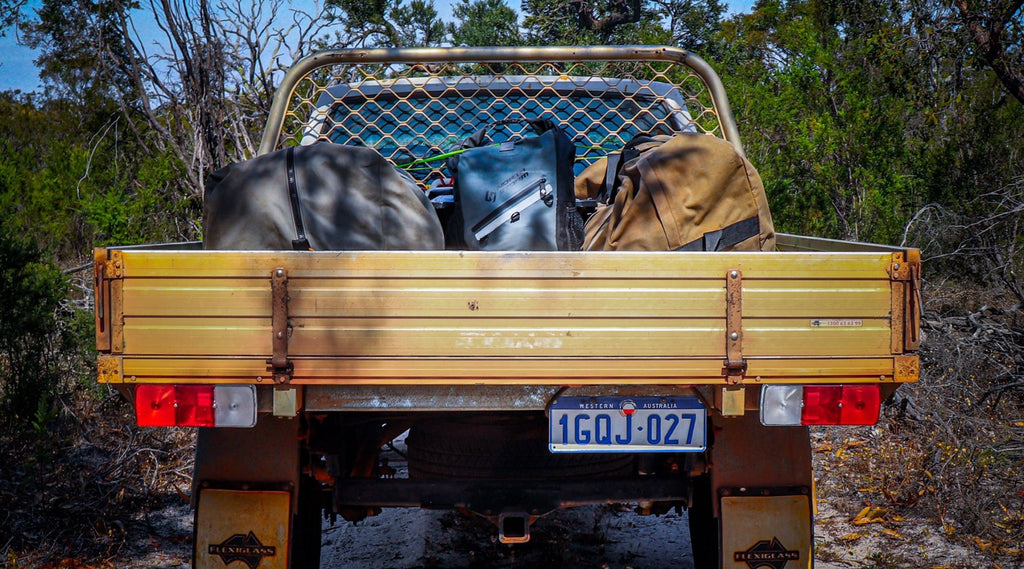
(691, 24)
(389, 23)
(857, 116)
(10, 14)
(485, 22)
(31, 293)
(72, 62)
(70, 185)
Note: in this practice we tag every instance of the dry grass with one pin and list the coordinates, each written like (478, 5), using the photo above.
(948, 452)
(74, 493)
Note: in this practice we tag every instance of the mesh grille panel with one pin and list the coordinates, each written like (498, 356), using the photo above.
(416, 112)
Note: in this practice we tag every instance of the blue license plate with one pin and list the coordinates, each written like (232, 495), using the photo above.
(627, 424)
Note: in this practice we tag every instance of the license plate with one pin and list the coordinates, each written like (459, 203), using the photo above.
(627, 424)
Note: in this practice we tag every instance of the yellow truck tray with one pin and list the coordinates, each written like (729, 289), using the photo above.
(403, 318)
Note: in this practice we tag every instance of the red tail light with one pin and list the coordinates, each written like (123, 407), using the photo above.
(195, 406)
(841, 405)
(820, 404)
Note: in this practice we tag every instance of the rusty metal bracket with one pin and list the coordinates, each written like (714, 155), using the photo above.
(735, 365)
(901, 268)
(108, 369)
(101, 288)
(905, 272)
(906, 368)
(279, 364)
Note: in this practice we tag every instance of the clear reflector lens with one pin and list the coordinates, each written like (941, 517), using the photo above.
(820, 405)
(236, 405)
(195, 405)
(781, 404)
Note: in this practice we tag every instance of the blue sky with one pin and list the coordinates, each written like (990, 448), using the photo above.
(17, 70)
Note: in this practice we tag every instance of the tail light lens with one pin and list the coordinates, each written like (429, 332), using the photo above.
(820, 404)
(195, 405)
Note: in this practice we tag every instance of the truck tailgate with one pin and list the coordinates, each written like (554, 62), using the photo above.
(414, 318)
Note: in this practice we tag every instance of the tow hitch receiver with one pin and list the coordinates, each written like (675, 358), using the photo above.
(514, 527)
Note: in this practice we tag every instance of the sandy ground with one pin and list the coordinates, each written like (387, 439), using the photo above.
(593, 537)
(599, 537)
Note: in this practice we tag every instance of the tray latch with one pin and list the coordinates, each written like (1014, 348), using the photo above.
(735, 365)
(279, 364)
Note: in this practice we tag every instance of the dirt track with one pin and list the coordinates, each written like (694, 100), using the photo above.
(593, 537)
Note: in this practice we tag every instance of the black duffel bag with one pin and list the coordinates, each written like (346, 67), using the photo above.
(517, 195)
(325, 196)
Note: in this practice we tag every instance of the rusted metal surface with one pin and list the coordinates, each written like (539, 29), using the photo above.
(915, 305)
(905, 272)
(735, 365)
(108, 369)
(907, 368)
(102, 295)
(748, 454)
(279, 364)
(321, 398)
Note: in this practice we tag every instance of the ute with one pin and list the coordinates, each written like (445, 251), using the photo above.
(520, 382)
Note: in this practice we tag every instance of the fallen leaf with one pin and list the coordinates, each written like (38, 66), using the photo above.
(869, 515)
(892, 533)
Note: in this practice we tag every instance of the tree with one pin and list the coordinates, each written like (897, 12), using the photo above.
(31, 289)
(198, 94)
(998, 32)
(691, 24)
(10, 14)
(389, 23)
(485, 22)
(78, 44)
(857, 114)
(562, 22)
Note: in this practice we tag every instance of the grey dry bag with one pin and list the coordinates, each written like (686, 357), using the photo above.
(517, 195)
(325, 196)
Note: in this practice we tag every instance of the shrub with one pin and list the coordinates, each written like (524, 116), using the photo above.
(33, 294)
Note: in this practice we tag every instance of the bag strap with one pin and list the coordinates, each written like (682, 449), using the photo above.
(615, 163)
(300, 243)
(611, 178)
(725, 237)
(479, 138)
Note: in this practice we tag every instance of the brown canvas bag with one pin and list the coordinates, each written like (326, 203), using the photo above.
(688, 192)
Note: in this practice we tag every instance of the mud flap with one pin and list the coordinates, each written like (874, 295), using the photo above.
(761, 480)
(247, 526)
(765, 529)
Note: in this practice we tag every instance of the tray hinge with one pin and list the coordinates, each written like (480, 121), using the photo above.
(101, 273)
(735, 365)
(279, 364)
